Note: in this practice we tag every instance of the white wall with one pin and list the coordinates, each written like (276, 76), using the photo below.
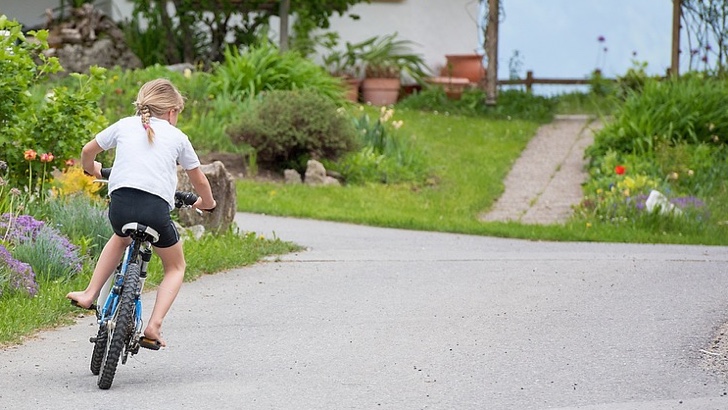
(439, 26)
(27, 14)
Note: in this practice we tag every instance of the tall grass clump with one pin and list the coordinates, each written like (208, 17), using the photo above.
(387, 154)
(83, 220)
(263, 67)
(690, 110)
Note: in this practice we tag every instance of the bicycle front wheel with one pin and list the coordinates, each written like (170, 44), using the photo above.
(120, 328)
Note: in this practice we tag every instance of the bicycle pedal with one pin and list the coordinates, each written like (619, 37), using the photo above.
(149, 343)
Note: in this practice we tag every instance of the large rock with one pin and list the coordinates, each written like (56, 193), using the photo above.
(89, 38)
(316, 174)
(223, 189)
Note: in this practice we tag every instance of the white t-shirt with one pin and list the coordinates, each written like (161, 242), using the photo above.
(148, 167)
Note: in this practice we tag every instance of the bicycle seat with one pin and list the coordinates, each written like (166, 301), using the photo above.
(141, 229)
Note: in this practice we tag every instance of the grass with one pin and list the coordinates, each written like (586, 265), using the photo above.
(449, 203)
(21, 317)
(470, 157)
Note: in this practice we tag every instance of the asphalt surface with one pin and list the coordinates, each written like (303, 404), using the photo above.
(371, 318)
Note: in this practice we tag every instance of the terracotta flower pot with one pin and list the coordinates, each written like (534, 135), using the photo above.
(352, 91)
(468, 66)
(380, 91)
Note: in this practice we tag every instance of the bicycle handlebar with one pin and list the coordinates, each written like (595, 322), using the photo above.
(181, 198)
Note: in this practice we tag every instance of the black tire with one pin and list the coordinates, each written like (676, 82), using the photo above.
(97, 357)
(121, 330)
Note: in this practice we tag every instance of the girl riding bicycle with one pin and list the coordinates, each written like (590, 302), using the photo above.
(142, 186)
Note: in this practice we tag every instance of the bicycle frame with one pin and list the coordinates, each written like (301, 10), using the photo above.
(133, 253)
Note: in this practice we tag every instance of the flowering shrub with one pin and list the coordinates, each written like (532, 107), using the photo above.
(617, 193)
(72, 180)
(47, 251)
(15, 275)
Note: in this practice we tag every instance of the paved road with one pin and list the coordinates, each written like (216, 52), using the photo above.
(370, 318)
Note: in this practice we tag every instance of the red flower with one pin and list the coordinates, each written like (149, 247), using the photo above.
(619, 170)
(29, 155)
(48, 157)
(70, 162)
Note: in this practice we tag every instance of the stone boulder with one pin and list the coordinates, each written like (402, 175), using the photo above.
(89, 38)
(316, 174)
(223, 189)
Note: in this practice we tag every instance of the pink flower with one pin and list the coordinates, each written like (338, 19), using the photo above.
(47, 157)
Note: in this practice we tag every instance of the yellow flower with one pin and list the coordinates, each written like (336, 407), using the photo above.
(629, 183)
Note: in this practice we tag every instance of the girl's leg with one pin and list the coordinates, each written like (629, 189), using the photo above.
(108, 260)
(173, 260)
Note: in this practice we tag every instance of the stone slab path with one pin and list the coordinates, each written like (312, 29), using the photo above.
(545, 182)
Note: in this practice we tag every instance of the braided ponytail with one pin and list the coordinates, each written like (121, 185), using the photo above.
(157, 98)
(146, 115)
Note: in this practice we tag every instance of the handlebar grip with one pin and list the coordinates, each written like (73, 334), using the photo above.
(106, 173)
(184, 198)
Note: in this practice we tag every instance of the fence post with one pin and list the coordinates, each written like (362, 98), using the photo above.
(529, 80)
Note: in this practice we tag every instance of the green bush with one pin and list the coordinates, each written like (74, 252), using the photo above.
(55, 121)
(286, 128)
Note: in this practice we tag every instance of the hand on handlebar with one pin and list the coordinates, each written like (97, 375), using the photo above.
(198, 205)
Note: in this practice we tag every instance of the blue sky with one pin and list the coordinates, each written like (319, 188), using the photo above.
(559, 38)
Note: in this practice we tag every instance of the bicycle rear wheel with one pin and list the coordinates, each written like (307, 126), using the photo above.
(97, 357)
(120, 327)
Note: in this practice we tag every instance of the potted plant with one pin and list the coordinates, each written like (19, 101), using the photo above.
(386, 59)
(344, 64)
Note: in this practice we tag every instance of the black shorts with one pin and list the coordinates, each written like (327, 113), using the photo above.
(132, 205)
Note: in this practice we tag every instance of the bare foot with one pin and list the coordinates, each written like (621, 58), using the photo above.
(153, 333)
(81, 299)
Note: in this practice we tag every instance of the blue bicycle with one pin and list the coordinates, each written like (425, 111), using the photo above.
(119, 309)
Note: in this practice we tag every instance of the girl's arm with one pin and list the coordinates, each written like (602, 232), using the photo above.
(88, 156)
(202, 187)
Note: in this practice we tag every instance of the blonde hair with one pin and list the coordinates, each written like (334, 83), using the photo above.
(157, 98)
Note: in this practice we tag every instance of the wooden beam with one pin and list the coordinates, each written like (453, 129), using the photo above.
(676, 16)
(491, 50)
(283, 14)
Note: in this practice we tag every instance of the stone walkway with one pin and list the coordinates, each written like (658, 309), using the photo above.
(545, 182)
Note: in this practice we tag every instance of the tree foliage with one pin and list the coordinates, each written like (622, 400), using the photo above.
(200, 30)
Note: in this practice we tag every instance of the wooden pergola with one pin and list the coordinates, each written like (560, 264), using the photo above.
(491, 47)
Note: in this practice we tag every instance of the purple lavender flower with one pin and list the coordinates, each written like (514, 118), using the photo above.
(22, 276)
(22, 228)
(44, 247)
